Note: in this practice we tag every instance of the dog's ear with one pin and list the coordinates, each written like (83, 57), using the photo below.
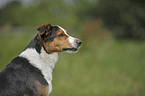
(44, 30)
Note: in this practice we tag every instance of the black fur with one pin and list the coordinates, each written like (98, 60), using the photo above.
(53, 34)
(17, 78)
(35, 43)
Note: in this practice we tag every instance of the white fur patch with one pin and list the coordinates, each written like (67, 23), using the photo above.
(72, 41)
(43, 61)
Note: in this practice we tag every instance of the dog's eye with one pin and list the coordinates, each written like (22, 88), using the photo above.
(61, 35)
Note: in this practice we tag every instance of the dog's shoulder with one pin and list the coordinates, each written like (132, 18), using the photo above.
(20, 76)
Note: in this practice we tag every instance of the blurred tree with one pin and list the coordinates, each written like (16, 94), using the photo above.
(125, 18)
(46, 11)
(9, 13)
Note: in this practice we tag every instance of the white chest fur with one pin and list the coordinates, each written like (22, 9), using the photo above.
(43, 61)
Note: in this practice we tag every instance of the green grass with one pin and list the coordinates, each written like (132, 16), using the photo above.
(11, 46)
(100, 68)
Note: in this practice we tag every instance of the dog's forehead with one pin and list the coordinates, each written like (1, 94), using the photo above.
(62, 29)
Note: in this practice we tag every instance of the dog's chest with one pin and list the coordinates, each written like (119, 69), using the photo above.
(44, 62)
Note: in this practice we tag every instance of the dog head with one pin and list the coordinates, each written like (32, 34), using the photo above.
(56, 39)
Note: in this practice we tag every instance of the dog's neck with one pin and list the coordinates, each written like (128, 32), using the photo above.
(43, 61)
(40, 59)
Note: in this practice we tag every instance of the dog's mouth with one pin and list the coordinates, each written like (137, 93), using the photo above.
(70, 49)
(73, 48)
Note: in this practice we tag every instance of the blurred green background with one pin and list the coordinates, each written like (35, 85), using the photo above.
(111, 61)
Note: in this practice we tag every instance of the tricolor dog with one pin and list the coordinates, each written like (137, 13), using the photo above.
(30, 73)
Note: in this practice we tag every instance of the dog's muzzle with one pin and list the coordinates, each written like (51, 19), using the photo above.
(79, 42)
(75, 46)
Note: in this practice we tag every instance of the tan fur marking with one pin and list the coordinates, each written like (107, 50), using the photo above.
(42, 90)
(46, 90)
(58, 43)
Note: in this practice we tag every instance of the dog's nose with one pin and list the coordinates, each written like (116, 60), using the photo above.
(79, 42)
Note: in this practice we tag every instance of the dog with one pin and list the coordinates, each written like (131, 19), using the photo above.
(30, 73)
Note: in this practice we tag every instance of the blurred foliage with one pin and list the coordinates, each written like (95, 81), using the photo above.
(45, 11)
(125, 18)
